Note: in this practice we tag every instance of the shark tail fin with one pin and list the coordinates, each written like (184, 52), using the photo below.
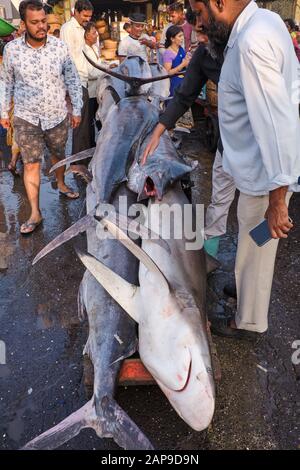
(114, 423)
(121, 427)
(63, 431)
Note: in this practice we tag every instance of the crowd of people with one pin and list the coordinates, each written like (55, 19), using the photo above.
(29, 108)
(245, 50)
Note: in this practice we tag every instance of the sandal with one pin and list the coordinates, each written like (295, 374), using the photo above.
(13, 169)
(31, 226)
(70, 194)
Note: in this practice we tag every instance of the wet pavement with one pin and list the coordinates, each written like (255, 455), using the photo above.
(257, 406)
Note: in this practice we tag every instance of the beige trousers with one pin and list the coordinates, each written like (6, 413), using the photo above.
(223, 192)
(254, 266)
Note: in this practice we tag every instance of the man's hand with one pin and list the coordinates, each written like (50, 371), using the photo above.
(75, 121)
(153, 143)
(5, 123)
(148, 43)
(278, 214)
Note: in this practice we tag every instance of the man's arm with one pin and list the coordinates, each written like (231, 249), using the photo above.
(73, 85)
(8, 82)
(148, 41)
(275, 127)
(93, 73)
(122, 50)
(277, 213)
(201, 68)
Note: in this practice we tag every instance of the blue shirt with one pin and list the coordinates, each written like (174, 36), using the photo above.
(38, 79)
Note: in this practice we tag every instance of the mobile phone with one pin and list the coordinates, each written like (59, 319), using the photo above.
(261, 233)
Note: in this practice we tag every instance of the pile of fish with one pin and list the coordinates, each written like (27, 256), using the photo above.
(150, 279)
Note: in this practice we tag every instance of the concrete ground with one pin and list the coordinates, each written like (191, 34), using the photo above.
(257, 405)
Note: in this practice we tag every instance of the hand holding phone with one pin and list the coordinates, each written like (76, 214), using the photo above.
(261, 233)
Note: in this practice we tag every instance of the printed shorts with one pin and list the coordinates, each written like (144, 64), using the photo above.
(32, 140)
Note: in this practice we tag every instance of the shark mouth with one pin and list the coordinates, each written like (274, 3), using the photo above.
(149, 187)
(183, 380)
(187, 379)
(149, 190)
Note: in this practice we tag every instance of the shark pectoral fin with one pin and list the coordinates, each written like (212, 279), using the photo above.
(140, 254)
(125, 294)
(74, 158)
(132, 348)
(80, 226)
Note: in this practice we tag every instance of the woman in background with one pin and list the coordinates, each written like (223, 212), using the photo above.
(175, 59)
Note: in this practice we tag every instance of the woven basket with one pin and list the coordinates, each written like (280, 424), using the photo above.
(212, 94)
(110, 44)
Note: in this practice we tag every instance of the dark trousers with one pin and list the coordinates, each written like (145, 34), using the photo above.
(82, 135)
(93, 107)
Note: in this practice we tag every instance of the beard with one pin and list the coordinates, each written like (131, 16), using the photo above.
(31, 36)
(218, 34)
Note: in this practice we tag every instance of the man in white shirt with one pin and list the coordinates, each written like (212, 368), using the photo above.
(72, 33)
(259, 125)
(137, 42)
(258, 99)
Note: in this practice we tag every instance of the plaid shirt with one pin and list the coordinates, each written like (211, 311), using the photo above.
(38, 79)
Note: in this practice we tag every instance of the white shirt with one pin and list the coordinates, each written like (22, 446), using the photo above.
(73, 35)
(130, 46)
(93, 73)
(258, 104)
